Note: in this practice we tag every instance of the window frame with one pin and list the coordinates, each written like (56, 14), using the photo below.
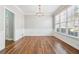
(67, 17)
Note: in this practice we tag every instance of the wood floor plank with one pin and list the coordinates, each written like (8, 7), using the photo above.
(39, 45)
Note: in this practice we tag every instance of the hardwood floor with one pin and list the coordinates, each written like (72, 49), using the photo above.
(8, 42)
(39, 45)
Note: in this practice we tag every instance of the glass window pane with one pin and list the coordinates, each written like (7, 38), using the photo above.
(76, 16)
(57, 19)
(70, 13)
(72, 32)
(57, 28)
(70, 24)
(63, 27)
(63, 16)
(76, 9)
(76, 23)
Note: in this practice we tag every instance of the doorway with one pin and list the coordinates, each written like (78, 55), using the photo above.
(9, 27)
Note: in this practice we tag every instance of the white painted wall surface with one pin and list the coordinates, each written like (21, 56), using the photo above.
(2, 32)
(18, 23)
(37, 25)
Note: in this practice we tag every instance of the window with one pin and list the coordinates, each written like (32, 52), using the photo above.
(63, 22)
(57, 19)
(57, 28)
(73, 22)
(63, 17)
(57, 23)
(70, 12)
(63, 27)
(76, 23)
(70, 24)
(73, 33)
(76, 17)
(67, 21)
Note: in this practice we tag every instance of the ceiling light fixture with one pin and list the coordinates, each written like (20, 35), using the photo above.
(39, 13)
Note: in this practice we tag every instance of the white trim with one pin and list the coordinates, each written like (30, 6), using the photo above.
(5, 7)
(4, 24)
(73, 37)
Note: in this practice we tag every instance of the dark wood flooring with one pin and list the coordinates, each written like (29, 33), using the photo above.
(39, 45)
(8, 42)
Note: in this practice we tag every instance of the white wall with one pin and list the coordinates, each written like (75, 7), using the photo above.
(18, 21)
(2, 33)
(37, 25)
(18, 24)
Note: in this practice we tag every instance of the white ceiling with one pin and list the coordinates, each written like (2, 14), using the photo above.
(33, 9)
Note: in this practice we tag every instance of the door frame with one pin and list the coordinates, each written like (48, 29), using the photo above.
(5, 8)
